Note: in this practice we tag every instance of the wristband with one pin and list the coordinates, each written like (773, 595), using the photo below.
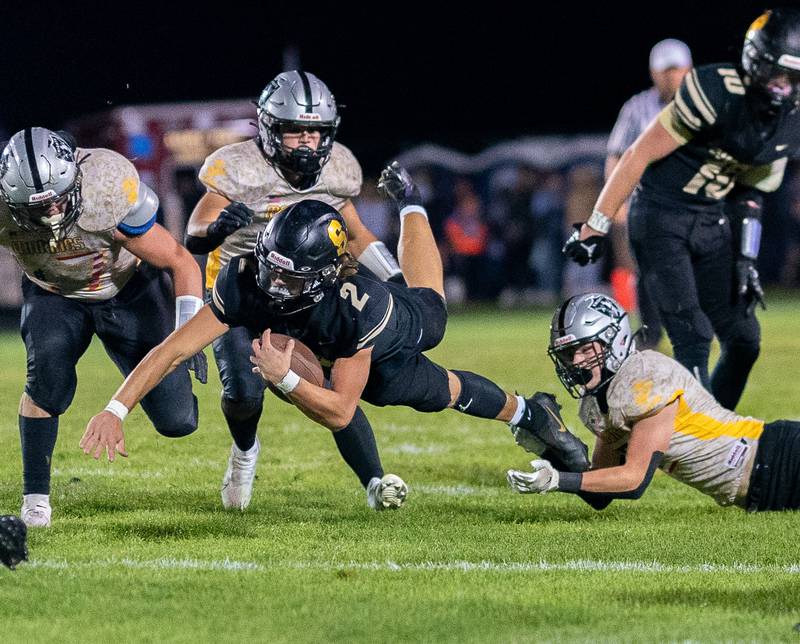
(185, 308)
(117, 408)
(289, 382)
(569, 482)
(599, 222)
(405, 210)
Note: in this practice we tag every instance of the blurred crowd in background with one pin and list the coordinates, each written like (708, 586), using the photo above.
(500, 233)
(501, 217)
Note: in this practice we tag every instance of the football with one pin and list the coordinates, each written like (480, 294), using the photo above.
(304, 363)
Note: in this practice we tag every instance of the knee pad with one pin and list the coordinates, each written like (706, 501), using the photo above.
(178, 427)
(479, 396)
(241, 409)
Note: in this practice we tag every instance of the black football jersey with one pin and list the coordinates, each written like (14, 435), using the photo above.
(724, 139)
(358, 313)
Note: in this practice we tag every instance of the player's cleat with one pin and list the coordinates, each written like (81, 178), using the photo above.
(237, 484)
(388, 492)
(36, 510)
(13, 546)
(542, 430)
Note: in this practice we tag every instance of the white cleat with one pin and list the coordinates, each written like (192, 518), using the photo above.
(36, 510)
(387, 493)
(237, 484)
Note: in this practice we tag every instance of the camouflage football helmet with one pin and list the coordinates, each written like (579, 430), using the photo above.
(40, 181)
(296, 100)
(591, 317)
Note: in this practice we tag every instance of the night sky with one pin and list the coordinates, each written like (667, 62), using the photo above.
(459, 78)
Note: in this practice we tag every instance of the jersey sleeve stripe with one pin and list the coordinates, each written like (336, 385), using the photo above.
(378, 328)
(685, 114)
(699, 98)
(217, 299)
(674, 124)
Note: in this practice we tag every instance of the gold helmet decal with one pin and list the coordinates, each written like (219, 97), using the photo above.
(338, 236)
(758, 24)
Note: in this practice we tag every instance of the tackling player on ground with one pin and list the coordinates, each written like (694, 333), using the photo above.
(79, 222)
(294, 157)
(727, 135)
(301, 281)
(647, 412)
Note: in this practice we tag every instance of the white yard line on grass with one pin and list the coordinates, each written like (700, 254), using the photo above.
(582, 565)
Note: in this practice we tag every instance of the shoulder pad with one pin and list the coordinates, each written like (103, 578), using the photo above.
(109, 190)
(342, 174)
(646, 383)
(239, 172)
(226, 296)
(705, 93)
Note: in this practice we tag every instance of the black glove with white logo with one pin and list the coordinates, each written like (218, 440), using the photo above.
(398, 185)
(585, 251)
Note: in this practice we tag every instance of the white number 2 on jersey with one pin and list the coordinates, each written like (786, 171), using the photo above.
(348, 290)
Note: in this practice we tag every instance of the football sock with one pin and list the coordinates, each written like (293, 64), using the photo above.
(38, 438)
(479, 396)
(356, 444)
(242, 417)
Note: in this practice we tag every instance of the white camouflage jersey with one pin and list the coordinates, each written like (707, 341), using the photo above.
(88, 264)
(239, 172)
(711, 448)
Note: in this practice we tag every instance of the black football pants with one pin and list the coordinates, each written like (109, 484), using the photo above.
(687, 261)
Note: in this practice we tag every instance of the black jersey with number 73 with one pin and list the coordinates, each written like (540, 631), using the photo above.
(725, 140)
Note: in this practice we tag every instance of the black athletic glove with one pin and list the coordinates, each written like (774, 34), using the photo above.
(199, 364)
(233, 217)
(585, 251)
(13, 545)
(749, 284)
(398, 185)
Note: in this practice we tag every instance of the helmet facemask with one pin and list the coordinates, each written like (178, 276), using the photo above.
(596, 321)
(36, 217)
(292, 102)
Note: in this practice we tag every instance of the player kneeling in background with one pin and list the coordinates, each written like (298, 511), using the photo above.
(648, 411)
(302, 282)
(79, 221)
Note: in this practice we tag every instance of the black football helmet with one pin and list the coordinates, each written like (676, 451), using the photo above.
(299, 255)
(771, 57)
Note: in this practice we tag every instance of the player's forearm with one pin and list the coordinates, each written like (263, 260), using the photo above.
(186, 276)
(627, 481)
(623, 180)
(326, 406)
(153, 368)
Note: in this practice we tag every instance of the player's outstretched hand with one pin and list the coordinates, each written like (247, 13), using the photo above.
(270, 362)
(104, 432)
(586, 250)
(543, 479)
(198, 363)
(13, 541)
(398, 185)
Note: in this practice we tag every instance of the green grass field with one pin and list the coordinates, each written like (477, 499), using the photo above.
(141, 549)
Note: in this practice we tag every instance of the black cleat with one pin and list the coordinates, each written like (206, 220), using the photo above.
(542, 430)
(13, 546)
